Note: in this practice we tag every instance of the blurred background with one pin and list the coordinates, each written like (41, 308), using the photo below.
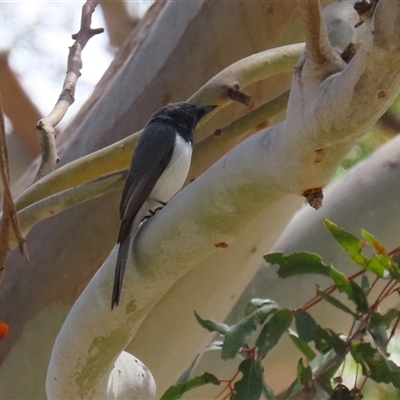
(34, 41)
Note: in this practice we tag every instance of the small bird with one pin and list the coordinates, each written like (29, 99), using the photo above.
(159, 167)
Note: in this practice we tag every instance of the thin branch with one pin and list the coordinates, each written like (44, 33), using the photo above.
(72, 197)
(44, 205)
(9, 211)
(117, 156)
(5, 226)
(45, 127)
(319, 49)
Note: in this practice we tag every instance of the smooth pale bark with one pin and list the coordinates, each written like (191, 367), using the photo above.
(168, 61)
(225, 211)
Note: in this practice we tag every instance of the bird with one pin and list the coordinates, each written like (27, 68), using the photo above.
(158, 169)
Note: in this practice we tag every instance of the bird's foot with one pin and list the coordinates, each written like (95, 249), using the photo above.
(153, 212)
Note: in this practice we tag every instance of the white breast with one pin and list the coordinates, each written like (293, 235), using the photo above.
(173, 177)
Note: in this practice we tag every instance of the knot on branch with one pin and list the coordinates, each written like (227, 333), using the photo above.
(314, 197)
(68, 94)
(90, 32)
(349, 52)
(234, 93)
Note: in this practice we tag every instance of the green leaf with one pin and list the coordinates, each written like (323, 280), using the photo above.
(256, 304)
(304, 374)
(298, 264)
(348, 242)
(176, 392)
(308, 330)
(359, 298)
(272, 331)
(307, 351)
(365, 286)
(375, 365)
(375, 266)
(381, 259)
(268, 392)
(352, 289)
(377, 327)
(385, 319)
(341, 281)
(305, 325)
(211, 325)
(326, 365)
(335, 302)
(235, 338)
(251, 386)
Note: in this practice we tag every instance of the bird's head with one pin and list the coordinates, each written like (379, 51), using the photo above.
(183, 114)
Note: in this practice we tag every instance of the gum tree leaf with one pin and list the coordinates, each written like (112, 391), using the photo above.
(211, 325)
(251, 386)
(298, 264)
(348, 242)
(375, 365)
(177, 391)
(352, 289)
(359, 297)
(304, 374)
(308, 330)
(272, 331)
(375, 266)
(335, 302)
(256, 304)
(235, 338)
(365, 285)
(341, 282)
(377, 327)
(307, 351)
(381, 256)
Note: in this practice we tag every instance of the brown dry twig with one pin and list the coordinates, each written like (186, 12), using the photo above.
(45, 127)
(9, 212)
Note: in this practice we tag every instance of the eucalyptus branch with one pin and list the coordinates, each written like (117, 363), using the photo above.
(9, 212)
(5, 225)
(116, 156)
(213, 147)
(228, 84)
(59, 202)
(41, 207)
(45, 127)
(317, 42)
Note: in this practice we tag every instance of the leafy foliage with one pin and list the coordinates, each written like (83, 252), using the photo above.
(323, 350)
(176, 392)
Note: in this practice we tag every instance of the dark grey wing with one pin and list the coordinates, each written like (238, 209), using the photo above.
(150, 158)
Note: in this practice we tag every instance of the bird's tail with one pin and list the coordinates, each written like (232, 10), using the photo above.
(120, 267)
(123, 252)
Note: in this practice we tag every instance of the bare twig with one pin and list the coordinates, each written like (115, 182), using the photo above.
(45, 127)
(234, 93)
(9, 211)
(319, 49)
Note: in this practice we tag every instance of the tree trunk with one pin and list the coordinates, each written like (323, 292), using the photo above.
(176, 50)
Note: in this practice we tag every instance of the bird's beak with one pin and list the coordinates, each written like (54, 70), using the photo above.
(207, 109)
